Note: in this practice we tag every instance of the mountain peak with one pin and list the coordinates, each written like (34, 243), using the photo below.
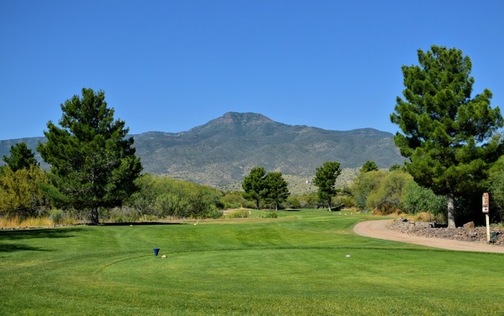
(243, 118)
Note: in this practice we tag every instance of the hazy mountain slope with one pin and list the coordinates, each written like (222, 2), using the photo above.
(222, 151)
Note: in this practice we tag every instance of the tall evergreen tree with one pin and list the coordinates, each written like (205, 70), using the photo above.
(449, 137)
(21, 157)
(93, 162)
(369, 166)
(325, 180)
(253, 185)
(277, 191)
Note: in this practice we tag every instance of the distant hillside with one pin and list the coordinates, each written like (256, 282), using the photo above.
(222, 151)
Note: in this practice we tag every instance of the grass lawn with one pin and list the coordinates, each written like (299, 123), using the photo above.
(306, 262)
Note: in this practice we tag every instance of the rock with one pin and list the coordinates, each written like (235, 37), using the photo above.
(465, 233)
(469, 225)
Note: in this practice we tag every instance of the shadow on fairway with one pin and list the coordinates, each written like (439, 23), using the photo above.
(29, 234)
(37, 233)
(18, 247)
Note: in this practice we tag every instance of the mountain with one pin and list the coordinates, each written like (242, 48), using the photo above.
(222, 151)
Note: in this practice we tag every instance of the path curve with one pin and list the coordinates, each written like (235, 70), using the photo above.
(378, 229)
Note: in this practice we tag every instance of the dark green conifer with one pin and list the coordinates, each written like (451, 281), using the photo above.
(93, 162)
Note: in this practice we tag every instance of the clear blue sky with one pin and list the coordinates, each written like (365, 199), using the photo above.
(173, 65)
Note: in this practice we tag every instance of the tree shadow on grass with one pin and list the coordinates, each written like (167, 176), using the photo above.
(8, 235)
(37, 233)
(19, 247)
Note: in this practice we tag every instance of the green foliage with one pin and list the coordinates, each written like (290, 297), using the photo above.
(308, 200)
(325, 180)
(293, 201)
(390, 191)
(269, 215)
(344, 201)
(276, 189)
(93, 163)
(270, 188)
(448, 136)
(21, 192)
(238, 214)
(21, 157)
(253, 185)
(233, 199)
(418, 199)
(164, 197)
(369, 166)
(123, 215)
(496, 180)
(56, 216)
(397, 167)
(364, 185)
(387, 196)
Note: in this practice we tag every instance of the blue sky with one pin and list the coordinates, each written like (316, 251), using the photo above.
(173, 65)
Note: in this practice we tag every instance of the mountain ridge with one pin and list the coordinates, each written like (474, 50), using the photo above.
(222, 151)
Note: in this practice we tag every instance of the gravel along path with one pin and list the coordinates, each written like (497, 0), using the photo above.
(379, 229)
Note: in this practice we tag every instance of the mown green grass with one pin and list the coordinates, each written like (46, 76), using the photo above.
(295, 264)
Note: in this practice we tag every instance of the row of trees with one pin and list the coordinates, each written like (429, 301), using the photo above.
(265, 188)
(271, 188)
(23, 184)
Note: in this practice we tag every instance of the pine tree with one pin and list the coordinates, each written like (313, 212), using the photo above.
(21, 157)
(325, 180)
(253, 185)
(93, 162)
(277, 191)
(449, 137)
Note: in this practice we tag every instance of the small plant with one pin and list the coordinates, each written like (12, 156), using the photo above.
(56, 216)
(239, 214)
(213, 213)
(270, 215)
(123, 215)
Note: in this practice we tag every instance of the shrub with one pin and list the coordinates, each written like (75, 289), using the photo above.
(293, 202)
(364, 185)
(270, 215)
(386, 196)
(56, 216)
(21, 194)
(238, 214)
(418, 199)
(233, 199)
(214, 213)
(123, 215)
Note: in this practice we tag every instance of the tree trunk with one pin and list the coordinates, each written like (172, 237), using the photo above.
(450, 201)
(95, 219)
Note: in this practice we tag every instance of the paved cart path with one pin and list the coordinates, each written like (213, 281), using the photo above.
(379, 229)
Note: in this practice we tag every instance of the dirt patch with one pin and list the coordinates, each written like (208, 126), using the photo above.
(426, 235)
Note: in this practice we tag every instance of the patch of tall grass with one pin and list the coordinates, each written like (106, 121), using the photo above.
(13, 222)
(240, 213)
(55, 217)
